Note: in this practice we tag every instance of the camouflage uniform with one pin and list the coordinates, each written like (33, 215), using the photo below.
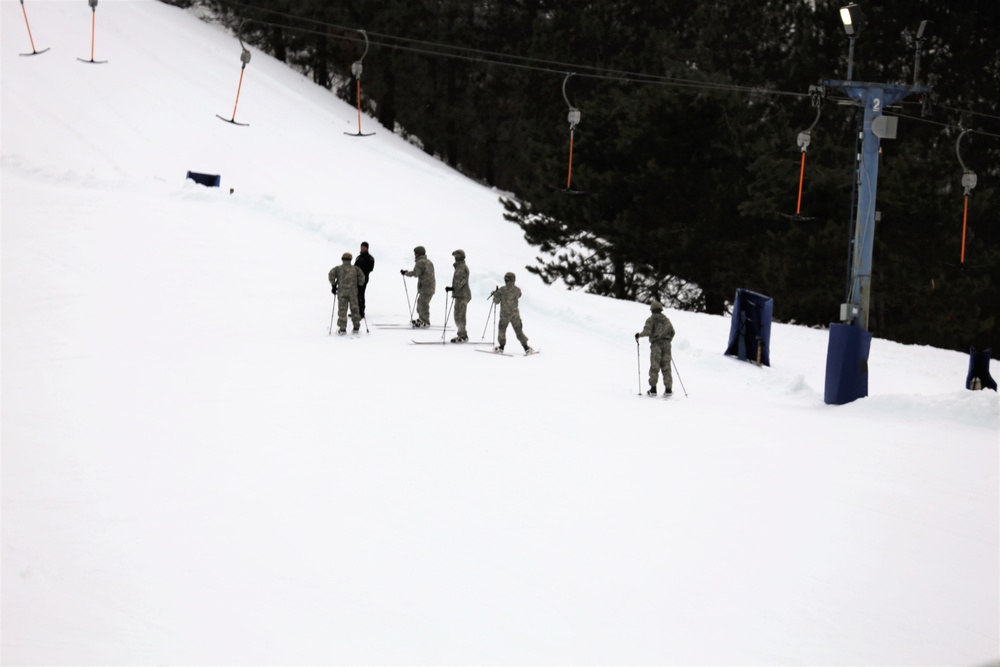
(423, 269)
(462, 294)
(507, 296)
(661, 333)
(346, 279)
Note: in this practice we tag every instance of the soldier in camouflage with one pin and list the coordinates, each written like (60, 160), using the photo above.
(461, 293)
(661, 333)
(423, 269)
(345, 280)
(507, 296)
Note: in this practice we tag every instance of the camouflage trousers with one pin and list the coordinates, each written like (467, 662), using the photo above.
(343, 300)
(461, 309)
(515, 321)
(659, 362)
(424, 305)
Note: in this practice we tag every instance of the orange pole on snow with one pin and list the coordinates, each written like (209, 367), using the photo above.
(569, 175)
(802, 173)
(965, 217)
(359, 106)
(238, 88)
(30, 38)
(93, 25)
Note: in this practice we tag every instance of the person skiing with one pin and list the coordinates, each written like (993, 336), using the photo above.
(507, 296)
(423, 269)
(661, 333)
(345, 280)
(366, 263)
(462, 295)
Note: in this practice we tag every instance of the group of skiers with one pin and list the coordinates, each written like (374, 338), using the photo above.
(349, 282)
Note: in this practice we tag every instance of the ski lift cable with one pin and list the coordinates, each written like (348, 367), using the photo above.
(952, 126)
(634, 77)
(511, 60)
(971, 113)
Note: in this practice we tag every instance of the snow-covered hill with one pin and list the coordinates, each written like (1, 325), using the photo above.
(195, 472)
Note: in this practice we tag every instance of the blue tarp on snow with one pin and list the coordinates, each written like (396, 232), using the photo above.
(846, 364)
(979, 367)
(211, 180)
(751, 327)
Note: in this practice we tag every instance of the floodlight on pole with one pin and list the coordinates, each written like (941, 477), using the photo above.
(853, 21)
(919, 48)
(852, 18)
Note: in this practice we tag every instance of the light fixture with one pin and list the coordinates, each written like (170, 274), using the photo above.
(852, 18)
(853, 21)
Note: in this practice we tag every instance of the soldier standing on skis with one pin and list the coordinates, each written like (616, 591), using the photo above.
(345, 280)
(507, 296)
(661, 333)
(366, 263)
(462, 295)
(423, 269)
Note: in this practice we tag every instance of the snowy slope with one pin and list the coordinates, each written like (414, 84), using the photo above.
(194, 472)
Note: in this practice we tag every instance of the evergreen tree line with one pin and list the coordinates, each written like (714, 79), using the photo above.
(686, 151)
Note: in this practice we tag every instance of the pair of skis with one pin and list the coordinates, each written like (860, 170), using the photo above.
(501, 353)
(451, 342)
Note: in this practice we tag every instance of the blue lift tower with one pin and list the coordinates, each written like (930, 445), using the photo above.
(850, 340)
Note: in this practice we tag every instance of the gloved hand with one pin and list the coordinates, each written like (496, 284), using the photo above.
(402, 272)
(447, 289)
(334, 289)
(637, 337)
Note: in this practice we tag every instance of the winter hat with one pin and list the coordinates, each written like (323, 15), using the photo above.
(459, 254)
(364, 244)
(348, 256)
(656, 306)
(508, 277)
(419, 250)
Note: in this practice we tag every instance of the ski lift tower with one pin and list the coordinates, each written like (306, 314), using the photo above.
(850, 340)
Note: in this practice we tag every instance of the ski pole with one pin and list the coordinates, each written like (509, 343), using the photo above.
(495, 327)
(638, 366)
(488, 315)
(409, 308)
(678, 375)
(332, 313)
(447, 313)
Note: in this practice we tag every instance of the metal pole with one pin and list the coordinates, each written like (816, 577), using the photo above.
(493, 307)
(332, 313)
(678, 375)
(447, 313)
(409, 308)
(638, 366)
